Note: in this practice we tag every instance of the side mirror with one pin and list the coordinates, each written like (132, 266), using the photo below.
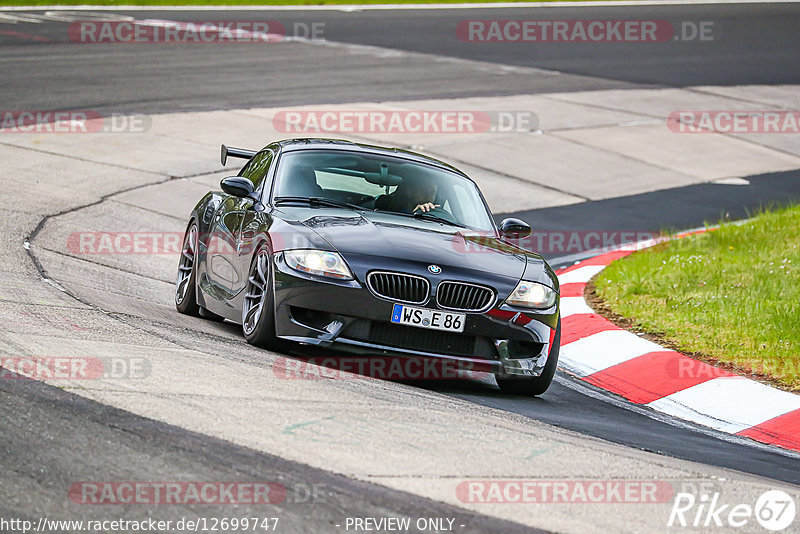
(514, 228)
(237, 186)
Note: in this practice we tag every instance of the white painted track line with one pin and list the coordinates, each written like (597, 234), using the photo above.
(580, 275)
(574, 306)
(602, 350)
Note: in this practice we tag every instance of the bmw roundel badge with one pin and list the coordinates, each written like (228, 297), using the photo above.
(434, 269)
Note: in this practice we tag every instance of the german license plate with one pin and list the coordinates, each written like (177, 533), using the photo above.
(425, 318)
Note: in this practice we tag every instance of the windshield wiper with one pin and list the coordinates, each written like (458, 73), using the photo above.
(318, 201)
(432, 217)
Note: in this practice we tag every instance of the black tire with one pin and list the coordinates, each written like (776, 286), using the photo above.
(533, 386)
(258, 308)
(185, 288)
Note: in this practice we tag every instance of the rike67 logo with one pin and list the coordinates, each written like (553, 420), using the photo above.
(774, 510)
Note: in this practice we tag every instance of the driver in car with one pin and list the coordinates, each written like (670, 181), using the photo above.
(414, 193)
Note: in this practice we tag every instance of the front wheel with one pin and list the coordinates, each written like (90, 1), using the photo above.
(258, 311)
(536, 385)
(185, 296)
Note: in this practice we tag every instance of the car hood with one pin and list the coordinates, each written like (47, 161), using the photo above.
(394, 240)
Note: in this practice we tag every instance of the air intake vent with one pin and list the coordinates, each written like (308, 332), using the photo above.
(399, 287)
(463, 296)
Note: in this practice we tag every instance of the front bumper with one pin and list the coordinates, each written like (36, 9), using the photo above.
(346, 317)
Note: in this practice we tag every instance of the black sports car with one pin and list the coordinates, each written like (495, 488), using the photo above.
(371, 251)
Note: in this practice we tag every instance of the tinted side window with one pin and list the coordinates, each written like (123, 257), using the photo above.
(256, 169)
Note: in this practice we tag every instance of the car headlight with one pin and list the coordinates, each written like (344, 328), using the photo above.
(532, 295)
(318, 262)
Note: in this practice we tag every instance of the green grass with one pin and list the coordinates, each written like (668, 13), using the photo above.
(731, 295)
(242, 2)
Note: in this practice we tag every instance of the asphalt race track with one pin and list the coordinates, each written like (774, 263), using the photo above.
(753, 45)
(370, 56)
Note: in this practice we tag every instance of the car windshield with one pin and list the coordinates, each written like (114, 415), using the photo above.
(381, 183)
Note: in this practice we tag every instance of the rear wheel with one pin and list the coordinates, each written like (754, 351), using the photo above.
(258, 310)
(185, 295)
(537, 385)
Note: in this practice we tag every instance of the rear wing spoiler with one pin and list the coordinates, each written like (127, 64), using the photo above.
(235, 153)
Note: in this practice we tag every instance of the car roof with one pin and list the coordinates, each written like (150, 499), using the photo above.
(311, 143)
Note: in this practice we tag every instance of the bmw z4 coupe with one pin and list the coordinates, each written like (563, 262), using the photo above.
(370, 251)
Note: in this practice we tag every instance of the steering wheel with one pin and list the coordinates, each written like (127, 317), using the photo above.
(439, 212)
